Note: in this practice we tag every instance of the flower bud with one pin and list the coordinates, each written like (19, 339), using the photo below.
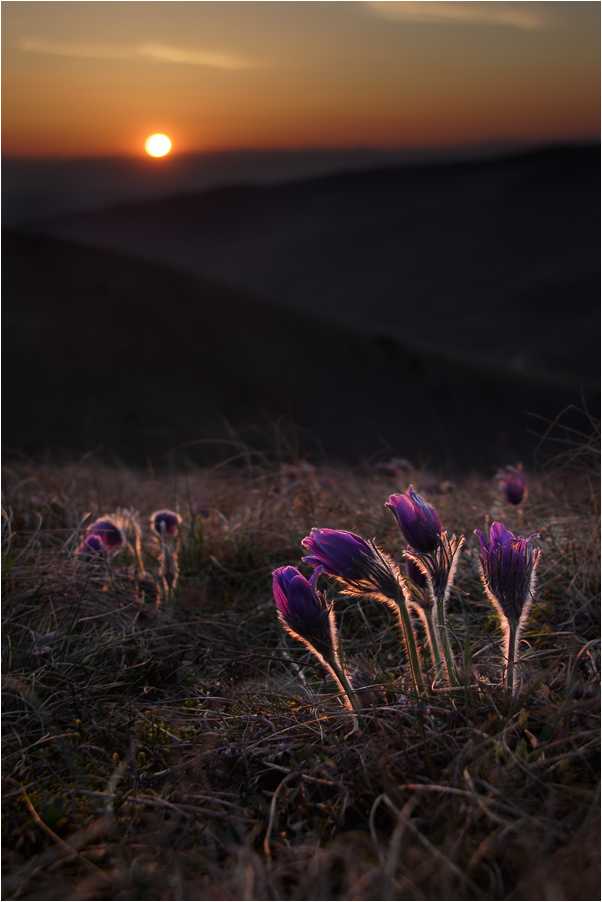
(165, 523)
(108, 532)
(303, 610)
(417, 520)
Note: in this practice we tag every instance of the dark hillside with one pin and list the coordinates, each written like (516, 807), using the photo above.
(499, 259)
(103, 349)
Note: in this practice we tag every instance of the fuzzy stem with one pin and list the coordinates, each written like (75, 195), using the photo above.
(408, 634)
(444, 640)
(341, 678)
(512, 634)
(434, 643)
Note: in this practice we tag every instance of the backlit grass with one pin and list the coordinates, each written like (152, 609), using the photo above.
(194, 750)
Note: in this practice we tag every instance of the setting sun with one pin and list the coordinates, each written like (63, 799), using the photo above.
(158, 145)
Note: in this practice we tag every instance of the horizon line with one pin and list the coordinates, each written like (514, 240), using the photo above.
(430, 149)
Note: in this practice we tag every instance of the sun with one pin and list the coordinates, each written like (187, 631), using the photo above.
(158, 145)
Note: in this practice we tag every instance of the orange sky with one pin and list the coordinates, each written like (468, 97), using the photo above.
(94, 79)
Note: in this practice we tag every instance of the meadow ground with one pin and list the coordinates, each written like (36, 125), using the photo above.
(193, 750)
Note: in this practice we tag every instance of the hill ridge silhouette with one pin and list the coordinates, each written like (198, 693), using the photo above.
(477, 257)
(107, 349)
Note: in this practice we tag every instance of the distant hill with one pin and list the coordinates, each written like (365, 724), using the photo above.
(104, 349)
(498, 258)
(36, 187)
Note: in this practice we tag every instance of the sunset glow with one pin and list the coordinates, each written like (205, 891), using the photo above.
(242, 76)
(158, 145)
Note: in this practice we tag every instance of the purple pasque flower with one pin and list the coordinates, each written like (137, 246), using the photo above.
(108, 532)
(508, 569)
(418, 521)
(512, 484)
(363, 569)
(360, 565)
(92, 550)
(165, 523)
(340, 553)
(303, 610)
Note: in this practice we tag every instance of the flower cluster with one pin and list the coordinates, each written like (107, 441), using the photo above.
(420, 590)
(363, 569)
(120, 534)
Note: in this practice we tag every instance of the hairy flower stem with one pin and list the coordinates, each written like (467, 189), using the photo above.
(341, 677)
(434, 644)
(407, 632)
(439, 568)
(444, 641)
(511, 653)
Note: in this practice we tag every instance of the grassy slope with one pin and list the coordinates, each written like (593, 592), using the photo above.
(197, 752)
(107, 350)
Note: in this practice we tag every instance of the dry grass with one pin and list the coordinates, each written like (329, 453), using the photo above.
(195, 751)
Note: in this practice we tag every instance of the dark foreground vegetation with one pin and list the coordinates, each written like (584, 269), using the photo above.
(191, 749)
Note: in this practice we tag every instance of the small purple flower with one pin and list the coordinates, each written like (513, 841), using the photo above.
(341, 554)
(108, 533)
(165, 523)
(512, 484)
(303, 609)
(417, 520)
(92, 550)
(361, 566)
(508, 569)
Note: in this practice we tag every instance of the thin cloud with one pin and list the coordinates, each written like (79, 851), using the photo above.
(158, 52)
(81, 51)
(193, 57)
(514, 15)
